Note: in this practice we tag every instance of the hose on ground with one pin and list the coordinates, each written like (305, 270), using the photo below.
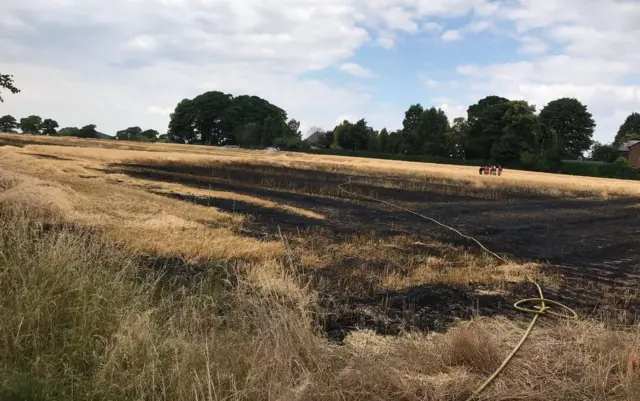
(537, 311)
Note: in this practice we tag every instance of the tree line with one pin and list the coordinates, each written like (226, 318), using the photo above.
(495, 129)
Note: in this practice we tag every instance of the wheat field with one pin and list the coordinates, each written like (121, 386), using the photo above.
(121, 282)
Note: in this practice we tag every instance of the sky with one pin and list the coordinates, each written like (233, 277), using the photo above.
(122, 63)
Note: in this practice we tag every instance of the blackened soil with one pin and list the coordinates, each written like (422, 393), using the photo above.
(595, 244)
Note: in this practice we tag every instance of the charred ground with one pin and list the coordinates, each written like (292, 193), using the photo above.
(591, 243)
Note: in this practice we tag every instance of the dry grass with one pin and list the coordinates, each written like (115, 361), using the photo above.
(78, 322)
(86, 315)
(530, 182)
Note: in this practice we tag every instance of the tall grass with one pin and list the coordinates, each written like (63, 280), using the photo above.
(79, 319)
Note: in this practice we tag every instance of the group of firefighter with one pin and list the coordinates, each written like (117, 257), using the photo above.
(490, 170)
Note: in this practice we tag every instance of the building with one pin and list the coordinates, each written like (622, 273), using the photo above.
(631, 150)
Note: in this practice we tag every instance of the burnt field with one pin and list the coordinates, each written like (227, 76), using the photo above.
(361, 246)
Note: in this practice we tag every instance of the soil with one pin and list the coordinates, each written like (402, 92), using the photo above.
(594, 244)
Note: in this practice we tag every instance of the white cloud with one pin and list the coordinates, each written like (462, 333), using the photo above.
(356, 70)
(431, 26)
(431, 83)
(126, 63)
(162, 111)
(532, 45)
(143, 42)
(451, 35)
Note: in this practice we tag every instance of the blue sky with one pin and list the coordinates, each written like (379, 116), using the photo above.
(123, 63)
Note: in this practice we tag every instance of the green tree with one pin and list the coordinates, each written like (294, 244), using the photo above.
(353, 136)
(486, 125)
(8, 124)
(604, 153)
(396, 142)
(6, 82)
(88, 131)
(273, 127)
(31, 124)
(248, 135)
(412, 143)
(150, 135)
(457, 138)
(128, 134)
(567, 122)
(520, 133)
(432, 133)
(383, 141)
(68, 131)
(294, 129)
(214, 118)
(49, 126)
(629, 130)
(181, 123)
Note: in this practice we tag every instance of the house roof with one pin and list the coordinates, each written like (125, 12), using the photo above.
(625, 146)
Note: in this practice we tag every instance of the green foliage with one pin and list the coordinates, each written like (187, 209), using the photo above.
(383, 141)
(620, 168)
(358, 136)
(6, 82)
(457, 138)
(31, 124)
(486, 123)
(8, 124)
(88, 131)
(49, 126)
(629, 130)
(68, 131)
(588, 169)
(603, 153)
(217, 118)
(567, 122)
(520, 133)
(136, 134)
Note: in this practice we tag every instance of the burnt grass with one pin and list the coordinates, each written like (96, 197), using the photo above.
(593, 244)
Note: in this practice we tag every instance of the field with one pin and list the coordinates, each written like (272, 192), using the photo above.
(174, 272)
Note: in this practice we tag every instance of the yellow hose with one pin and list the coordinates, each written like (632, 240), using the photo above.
(539, 311)
(543, 309)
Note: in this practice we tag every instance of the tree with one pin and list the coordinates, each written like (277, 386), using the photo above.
(629, 130)
(150, 135)
(88, 131)
(216, 118)
(383, 141)
(128, 134)
(6, 82)
(68, 131)
(294, 128)
(353, 136)
(486, 125)
(49, 126)
(457, 138)
(410, 129)
(567, 122)
(31, 124)
(603, 153)
(396, 142)
(248, 135)
(520, 133)
(8, 124)
(432, 133)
